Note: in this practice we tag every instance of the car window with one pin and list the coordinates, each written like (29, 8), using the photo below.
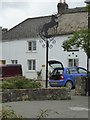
(55, 72)
(73, 71)
(81, 70)
(67, 71)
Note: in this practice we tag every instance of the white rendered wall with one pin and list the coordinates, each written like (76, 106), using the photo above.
(0, 43)
(18, 50)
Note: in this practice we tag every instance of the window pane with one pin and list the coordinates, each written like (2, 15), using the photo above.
(75, 62)
(73, 71)
(34, 65)
(29, 64)
(70, 62)
(82, 71)
(34, 45)
(29, 46)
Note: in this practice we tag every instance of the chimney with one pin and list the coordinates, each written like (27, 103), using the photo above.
(62, 7)
(0, 33)
(4, 30)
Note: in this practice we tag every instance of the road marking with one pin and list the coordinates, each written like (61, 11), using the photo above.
(79, 108)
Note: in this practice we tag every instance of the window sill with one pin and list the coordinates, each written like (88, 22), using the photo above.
(31, 52)
(31, 71)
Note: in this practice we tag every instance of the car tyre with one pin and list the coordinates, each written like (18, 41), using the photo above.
(69, 85)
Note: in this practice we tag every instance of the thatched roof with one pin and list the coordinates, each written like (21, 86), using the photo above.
(69, 22)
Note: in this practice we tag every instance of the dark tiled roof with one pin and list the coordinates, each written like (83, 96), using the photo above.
(68, 23)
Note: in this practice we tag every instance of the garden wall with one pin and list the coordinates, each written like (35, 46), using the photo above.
(9, 95)
(81, 86)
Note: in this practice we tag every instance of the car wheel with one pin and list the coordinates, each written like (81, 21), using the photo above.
(69, 85)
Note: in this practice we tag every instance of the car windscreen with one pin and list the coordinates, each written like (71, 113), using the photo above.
(57, 71)
(82, 71)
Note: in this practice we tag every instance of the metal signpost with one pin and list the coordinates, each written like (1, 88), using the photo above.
(47, 39)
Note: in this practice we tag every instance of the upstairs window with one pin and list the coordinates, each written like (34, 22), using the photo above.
(31, 45)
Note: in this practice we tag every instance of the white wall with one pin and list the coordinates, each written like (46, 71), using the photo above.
(0, 51)
(58, 53)
(0, 43)
(17, 49)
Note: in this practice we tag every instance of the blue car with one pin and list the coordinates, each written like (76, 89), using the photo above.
(61, 76)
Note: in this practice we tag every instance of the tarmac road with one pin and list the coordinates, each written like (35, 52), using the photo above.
(77, 107)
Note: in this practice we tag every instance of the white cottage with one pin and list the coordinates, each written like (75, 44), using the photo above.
(22, 45)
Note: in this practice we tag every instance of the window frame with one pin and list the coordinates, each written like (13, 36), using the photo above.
(32, 46)
(74, 61)
(14, 61)
(31, 67)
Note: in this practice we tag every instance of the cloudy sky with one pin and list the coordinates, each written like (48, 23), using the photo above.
(13, 12)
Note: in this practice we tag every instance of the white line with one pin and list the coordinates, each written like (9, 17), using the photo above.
(79, 108)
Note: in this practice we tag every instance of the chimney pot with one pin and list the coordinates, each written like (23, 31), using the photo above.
(62, 7)
(60, 1)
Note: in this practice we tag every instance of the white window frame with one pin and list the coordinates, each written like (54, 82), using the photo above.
(32, 46)
(2, 61)
(31, 64)
(75, 62)
(14, 61)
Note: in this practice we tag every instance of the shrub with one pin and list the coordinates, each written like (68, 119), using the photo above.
(20, 82)
(8, 113)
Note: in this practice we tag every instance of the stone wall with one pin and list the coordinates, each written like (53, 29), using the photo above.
(81, 86)
(35, 94)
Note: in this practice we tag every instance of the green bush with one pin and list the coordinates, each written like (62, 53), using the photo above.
(20, 82)
(8, 113)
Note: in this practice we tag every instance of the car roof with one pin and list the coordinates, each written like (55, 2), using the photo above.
(4, 65)
(69, 68)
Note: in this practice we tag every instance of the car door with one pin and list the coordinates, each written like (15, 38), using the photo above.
(82, 71)
(72, 74)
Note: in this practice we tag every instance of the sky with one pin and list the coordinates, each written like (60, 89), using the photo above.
(12, 12)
